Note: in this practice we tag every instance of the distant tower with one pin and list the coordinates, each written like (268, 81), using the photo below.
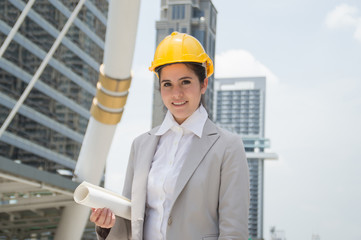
(240, 108)
(197, 18)
(277, 234)
(316, 237)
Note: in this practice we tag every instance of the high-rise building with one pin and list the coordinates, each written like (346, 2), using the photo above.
(197, 18)
(240, 108)
(40, 146)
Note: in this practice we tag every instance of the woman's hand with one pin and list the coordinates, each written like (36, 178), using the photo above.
(102, 217)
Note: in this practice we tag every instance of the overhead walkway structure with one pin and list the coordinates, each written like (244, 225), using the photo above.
(54, 108)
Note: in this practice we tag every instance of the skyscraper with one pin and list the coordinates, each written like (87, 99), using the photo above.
(197, 18)
(40, 146)
(240, 108)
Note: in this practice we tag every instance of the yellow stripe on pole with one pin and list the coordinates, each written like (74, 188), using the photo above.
(112, 84)
(103, 116)
(110, 99)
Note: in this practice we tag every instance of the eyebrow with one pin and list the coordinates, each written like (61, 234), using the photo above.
(185, 77)
(182, 78)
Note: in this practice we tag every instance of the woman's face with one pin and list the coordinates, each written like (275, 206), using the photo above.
(181, 90)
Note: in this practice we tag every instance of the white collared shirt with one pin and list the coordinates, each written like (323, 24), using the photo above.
(172, 150)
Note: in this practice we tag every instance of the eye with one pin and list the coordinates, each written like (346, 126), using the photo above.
(186, 82)
(167, 84)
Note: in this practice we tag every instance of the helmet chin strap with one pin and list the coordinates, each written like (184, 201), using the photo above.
(204, 64)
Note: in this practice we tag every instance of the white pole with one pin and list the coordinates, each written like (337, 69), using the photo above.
(106, 109)
(14, 30)
(41, 68)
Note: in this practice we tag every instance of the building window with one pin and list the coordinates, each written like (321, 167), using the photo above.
(213, 19)
(178, 11)
(200, 35)
(170, 30)
(184, 30)
(211, 46)
(197, 13)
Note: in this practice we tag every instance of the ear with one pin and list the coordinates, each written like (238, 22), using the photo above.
(204, 86)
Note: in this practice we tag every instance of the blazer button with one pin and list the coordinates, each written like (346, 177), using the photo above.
(169, 220)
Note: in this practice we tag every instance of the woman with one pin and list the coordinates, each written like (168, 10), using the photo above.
(187, 178)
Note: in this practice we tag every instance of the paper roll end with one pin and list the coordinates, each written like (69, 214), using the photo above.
(80, 193)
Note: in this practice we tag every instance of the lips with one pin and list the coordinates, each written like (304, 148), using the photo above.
(179, 103)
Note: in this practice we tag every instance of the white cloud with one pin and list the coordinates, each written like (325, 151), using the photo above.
(241, 63)
(344, 16)
(357, 33)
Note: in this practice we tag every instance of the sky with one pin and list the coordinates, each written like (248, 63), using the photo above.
(310, 53)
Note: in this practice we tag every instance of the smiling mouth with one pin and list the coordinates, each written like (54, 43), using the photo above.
(179, 103)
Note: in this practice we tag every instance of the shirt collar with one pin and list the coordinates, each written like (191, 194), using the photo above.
(193, 123)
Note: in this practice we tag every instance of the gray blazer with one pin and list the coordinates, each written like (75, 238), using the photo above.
(211, 197)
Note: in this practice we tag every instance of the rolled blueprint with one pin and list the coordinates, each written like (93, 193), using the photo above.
(97, 197)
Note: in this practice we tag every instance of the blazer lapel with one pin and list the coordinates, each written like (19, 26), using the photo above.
(146, 152)
(200, 147)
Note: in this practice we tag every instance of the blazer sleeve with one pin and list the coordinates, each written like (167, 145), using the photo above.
(120, 231)
(234, 196)
(122, 228)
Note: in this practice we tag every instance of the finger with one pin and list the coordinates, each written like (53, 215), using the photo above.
(102, 217)
(95, 215)
(112, 222)
(111, 219)
(108, 219)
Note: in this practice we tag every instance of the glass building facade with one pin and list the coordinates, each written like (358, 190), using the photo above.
(240, 108)
(197, 18)
(47, 132)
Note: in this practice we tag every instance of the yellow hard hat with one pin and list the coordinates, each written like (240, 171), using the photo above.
(181, 47)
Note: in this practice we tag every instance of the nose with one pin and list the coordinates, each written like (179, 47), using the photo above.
(177, 92)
